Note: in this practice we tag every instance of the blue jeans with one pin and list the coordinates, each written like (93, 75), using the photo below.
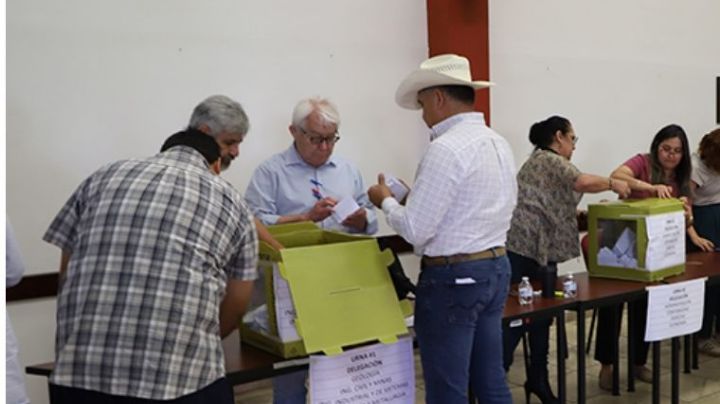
(458, 325)
(290, 388)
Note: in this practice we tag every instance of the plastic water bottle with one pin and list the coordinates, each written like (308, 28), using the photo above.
(525, 291)
(569, 286)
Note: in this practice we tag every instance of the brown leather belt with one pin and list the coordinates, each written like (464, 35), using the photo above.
(457, 258)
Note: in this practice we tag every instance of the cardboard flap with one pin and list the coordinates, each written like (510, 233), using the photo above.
(332, 351)
(283, 270)
(387, 256)
(343, 294)
(388, 339)
(267, 253)
(407, 307)
(298, 326)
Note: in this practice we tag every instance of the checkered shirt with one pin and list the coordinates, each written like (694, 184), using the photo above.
(153, 243)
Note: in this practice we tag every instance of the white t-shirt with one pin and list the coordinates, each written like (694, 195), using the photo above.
(707, 181)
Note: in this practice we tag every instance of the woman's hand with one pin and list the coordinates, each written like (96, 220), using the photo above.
(662, 191)
(620, 187)
(703, 243)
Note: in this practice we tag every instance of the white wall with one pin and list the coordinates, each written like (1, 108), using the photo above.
(619, 70)
(89, 82)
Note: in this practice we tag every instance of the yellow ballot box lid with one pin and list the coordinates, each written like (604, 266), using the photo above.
(340, 286)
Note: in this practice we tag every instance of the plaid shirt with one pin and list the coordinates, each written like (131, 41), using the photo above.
(153, 243)
(464, 193)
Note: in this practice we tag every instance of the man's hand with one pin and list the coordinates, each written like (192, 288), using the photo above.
(234, 304)
(357, 221)
(322, 209)
(378, 192)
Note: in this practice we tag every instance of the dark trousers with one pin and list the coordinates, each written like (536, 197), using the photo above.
(707, 225)
(606, 341)
(538, 329)
(711, 312)
(218, 392)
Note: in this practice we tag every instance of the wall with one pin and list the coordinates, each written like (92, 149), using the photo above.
(89, 82)
(618, 70)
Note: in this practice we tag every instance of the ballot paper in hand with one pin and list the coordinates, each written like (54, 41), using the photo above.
(398, 189)
(345, 208)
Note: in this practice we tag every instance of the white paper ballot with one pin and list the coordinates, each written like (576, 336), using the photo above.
(398, 189)
(373, 374)
(675, 309)
(622, 254)
(345, 208)
(666, 240)
(607, 257)
(625, 244)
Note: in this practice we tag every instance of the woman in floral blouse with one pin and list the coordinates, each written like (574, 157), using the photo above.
(543, 231)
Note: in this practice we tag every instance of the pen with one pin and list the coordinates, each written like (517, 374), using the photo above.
(316, 189)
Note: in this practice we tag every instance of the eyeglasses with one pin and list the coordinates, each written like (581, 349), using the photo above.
(575, 139)
(317, 139)
(671, 150)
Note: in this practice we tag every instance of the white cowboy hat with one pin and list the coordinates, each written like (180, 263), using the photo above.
(441, 70)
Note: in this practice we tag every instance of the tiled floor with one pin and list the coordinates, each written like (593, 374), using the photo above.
(702, 386)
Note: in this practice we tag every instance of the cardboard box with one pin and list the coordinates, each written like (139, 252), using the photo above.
(340, 289)
(640, 240)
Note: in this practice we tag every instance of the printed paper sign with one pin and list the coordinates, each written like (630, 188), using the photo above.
(666, 240)
(375, 374)
(675, 309)
(284, 308)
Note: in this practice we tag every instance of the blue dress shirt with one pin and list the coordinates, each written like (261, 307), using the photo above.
(285, 184)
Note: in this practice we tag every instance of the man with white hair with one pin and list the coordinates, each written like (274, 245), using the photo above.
(456, 216)
(304, 183)
(307, 180)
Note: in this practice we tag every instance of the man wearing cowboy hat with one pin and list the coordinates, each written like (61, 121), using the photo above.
(457, 216)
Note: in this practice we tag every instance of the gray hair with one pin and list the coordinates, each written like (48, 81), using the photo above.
(220, 114)
(326, 109)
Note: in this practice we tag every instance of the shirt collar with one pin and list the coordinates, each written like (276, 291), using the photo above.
(292, 157)
(443, 126)
(185, 155)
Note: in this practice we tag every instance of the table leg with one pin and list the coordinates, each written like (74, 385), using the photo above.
(631, 346)
(561, 348)
(675, 372)
(616, 356)
(656, 373)
(581, 354)
(687, 353)
(695, 352)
